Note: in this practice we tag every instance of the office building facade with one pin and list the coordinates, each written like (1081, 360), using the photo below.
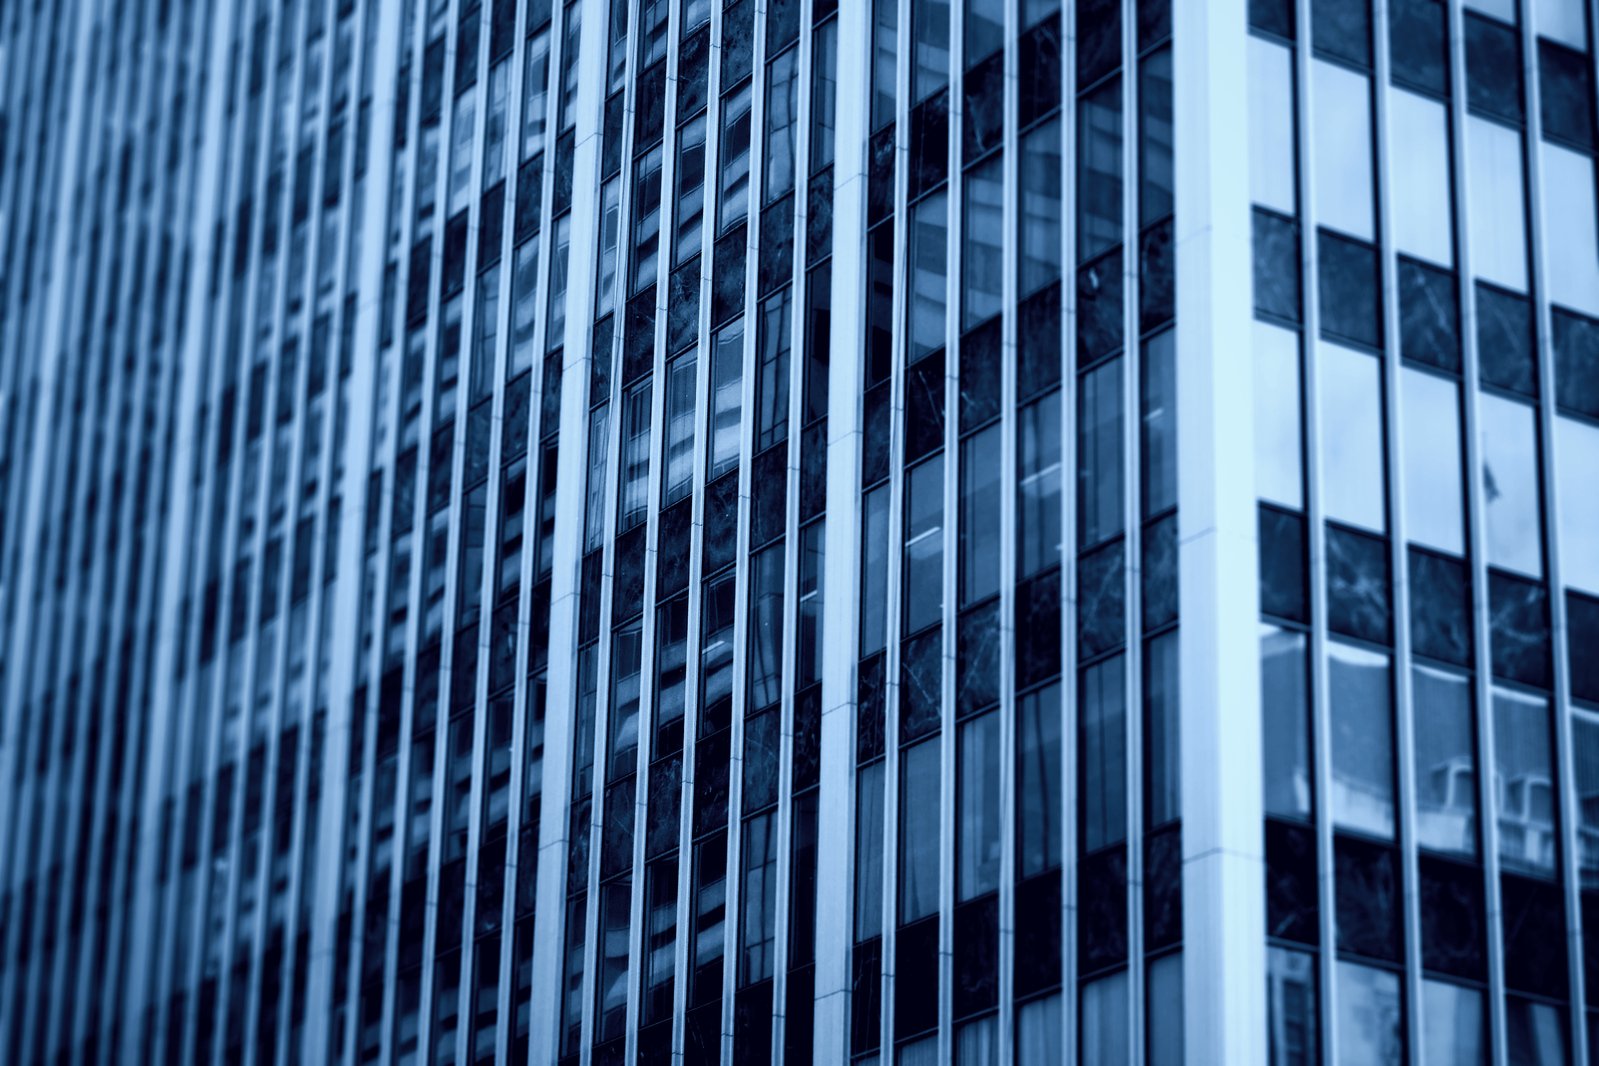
(537, 532)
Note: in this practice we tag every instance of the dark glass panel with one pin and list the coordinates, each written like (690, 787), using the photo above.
(1276, 242)
(1429, 330)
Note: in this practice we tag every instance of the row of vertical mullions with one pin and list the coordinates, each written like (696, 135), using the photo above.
(133, 776)
(88, 716)
(1570, 814)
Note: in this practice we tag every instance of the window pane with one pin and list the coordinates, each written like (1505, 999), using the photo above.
(1038, 1030)
(646, 218)
(679, 428)
(874, 569)
(727, 366)
(928, 254)
(1585, 763)
(771, 400)
(1105, 1019)
(635, 456)
(869, 852)
(1568, 195)
(1285, 710)
(931, 72)
(781, 105)
(1099, 205)
(735, 153)
(924, 544)
(1038, 490)
(1104, 746)
(977, 835)
(1446, 761)
(1291, 1005)
(627, 652)
(1160, 422)
(1038, 781)
(1361, 714)
(1496, 214)
(1430, 421)
(1368, 1016)
(977, 1042)
(1576, 462)
(1040, 218)
(1342, 151)
(1271, 125)
(1163, 783)
(1510, 483)
(1561, 20)
(1352, 463)
(1451, 1023)
(982, 244)
(1420, 206)
(690, 187)
(759, 944)
(1278, 464)
(980, 505)
(1099, 455)
(919, 792)
(1536, 1032)
(766, 628)
(1524, 783)
(1165, 1011)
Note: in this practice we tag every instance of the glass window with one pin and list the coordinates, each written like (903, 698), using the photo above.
(1420, 200)
(1524, 783)
(1342, 149)
(919, 792)
(1446, 761)
(660, 943)
(979, 519)
(610, 227)
(1351, 460)
(1451, 1024)
(977, 1042)
(808, 654)
(771, 401)
(1361, 713)
(766, 628)
(1038, 781)
(1155, 136)
(1568, 207)
(1162, 755)
(781, 108)
(1105, 1019)
(1038, 1029)
(923, 1052)
(928, 255)
(982, 244)
(1165, 1011)
(646, 218)
(874, 570)
(1536, 1033)
(824, 93)
(1160, 422)
(1279, 471)
(616, 901)
(671, 673)
(1562, 20)
(735, 153)
(985, 28)
(594, 509)
(1291, 1007)
(1285, 717)
(1368, 1016)
(716, 654)
(1099, 454)
(1099, 206)
(1038, 486)
(627, 649)
(1585, 763)
(1495, 210)
(1271, 125)
(494, 126)
(885, 38)
(634, 503)
(1039, 236)
(931, 73)
(710, 912)
(869, 852)
(1430, 426)
(680, 382)
(977, 833)
(690, 188)
(1104, 744)
(924, 544)
(535, 78)
(463, 128)
(727, 366)
(1510, 483)
(759, 944)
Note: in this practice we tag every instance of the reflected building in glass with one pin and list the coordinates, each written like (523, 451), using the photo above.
(799, 531)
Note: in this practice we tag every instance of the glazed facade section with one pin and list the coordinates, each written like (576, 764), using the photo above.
(679, 531)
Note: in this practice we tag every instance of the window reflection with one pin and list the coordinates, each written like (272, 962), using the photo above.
(1430, 417)
(1342, 126)
(1585, 763)
(1285, 711)
(1278, 463)
(1452, 1029)
(1104, 755)
(1576, 462)
(1038, 486)
(980, 507)
(977, 832)
(727, 367)
(1099, 458)
(1291, 1007)
(1105, 1019)
(1368, 1016)
(869, 852)
(1038, 781)
(1446, 764)
(1271, 125)
(924, 544)
(1495, 208)
(919, 829)
(1361, 713)
(1352, 444)
(1510, 484)
(1524, 782)
(1535, 1033)
(1421, 202)
(1038, 1029)
(928, 253)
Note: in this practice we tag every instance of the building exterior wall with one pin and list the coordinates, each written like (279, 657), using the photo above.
(652, 531)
